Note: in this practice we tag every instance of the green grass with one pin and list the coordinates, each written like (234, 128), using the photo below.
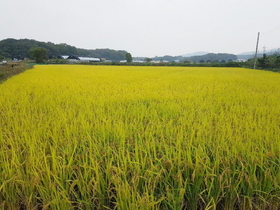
(7, 71)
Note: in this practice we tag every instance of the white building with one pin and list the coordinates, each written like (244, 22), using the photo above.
(75, 59)
(89, 59)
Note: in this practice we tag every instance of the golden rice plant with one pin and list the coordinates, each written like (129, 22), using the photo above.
(107, 137)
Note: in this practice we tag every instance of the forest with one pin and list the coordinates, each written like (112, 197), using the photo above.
(20, 49)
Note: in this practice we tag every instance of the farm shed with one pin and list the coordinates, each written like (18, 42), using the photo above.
(89, 59)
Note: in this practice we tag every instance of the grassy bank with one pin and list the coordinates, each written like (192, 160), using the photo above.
(11, 69)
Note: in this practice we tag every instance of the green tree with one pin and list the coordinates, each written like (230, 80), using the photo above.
(263, 62)
(148, 60)
(277, 62)
(128, 57)
(271, 61)
(39, 53)
(3, 55)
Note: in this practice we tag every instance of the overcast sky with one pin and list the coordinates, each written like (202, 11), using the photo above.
(146, 27)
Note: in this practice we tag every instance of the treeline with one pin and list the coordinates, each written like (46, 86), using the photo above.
(269, 61)
(266, 62)
(186, 64)
(20, 49)
(207, 58)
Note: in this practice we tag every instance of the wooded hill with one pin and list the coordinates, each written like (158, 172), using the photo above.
(20, 48)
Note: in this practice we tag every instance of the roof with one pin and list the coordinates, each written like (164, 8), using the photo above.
(89, 59)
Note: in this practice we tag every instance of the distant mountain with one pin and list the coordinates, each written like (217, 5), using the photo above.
(248, 55)
(212, 57)
(169, 58)
(195, 54)
(208, 57)
(19, 48)
(269, 52)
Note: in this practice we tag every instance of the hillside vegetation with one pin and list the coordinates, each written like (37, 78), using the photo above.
(20, 49)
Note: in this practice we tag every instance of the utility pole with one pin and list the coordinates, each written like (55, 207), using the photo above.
(255, 60)
(264, 49)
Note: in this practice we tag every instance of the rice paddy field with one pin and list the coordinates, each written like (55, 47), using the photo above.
(140, 138)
